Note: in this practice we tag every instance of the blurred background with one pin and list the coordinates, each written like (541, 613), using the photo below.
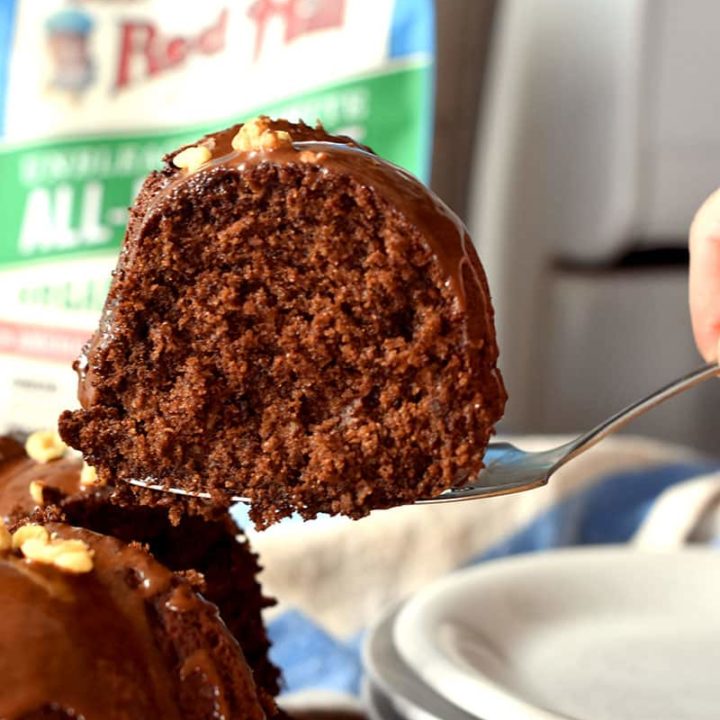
(594, 140)
(575, 137)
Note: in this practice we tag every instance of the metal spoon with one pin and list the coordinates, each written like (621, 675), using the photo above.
(509, 469)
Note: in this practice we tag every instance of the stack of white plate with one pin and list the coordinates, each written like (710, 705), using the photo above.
(581, 634)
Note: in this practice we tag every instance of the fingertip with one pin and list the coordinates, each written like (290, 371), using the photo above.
(704, 290)
(707, 339)
(706, 221)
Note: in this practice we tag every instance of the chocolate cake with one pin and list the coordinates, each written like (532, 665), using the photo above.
(213, 550)
(295, 321)
(93, 628)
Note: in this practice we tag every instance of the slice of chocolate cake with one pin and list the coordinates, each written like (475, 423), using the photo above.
(292, 320)
(213, 550)
(93, 628)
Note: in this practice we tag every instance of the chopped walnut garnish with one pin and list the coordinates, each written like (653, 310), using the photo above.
(257, 135)
(70, 555)
(190, 159)
(36, 492)
(45, 445)
(310, 156)
(35, 543)
(89, 476)
(29, 532)
(75, 561)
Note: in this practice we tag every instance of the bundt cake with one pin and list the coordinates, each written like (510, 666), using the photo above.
(97, 629)
(213, 550)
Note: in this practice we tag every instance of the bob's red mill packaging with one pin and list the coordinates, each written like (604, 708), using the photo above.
(93, 93)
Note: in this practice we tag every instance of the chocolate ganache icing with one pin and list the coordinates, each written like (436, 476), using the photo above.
(91, 645)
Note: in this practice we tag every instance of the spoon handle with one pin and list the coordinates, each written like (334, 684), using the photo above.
(640, 407)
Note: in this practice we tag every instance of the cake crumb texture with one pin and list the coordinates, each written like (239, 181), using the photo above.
(283, 331)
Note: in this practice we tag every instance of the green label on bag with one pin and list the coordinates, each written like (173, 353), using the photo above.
(69, 198)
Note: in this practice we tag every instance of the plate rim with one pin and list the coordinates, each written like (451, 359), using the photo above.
(383, 629)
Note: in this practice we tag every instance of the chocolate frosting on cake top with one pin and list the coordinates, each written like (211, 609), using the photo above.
(219, 556)
(87, 645)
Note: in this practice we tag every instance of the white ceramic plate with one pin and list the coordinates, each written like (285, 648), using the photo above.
(588, 634)
(390, 677)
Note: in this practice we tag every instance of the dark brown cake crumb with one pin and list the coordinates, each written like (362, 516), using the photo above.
(302, 325)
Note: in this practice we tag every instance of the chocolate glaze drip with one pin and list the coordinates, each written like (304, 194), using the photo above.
(201, 663)
(87, 644)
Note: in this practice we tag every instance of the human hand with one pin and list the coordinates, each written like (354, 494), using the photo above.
(705, 277)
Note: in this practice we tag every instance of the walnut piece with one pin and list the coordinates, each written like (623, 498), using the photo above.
(190, 159)
(75, 561)
(29, 532)
(310, 156)
(256, 134)
(45, 445)
(35, 543)
(89, 476)
(36, 492)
